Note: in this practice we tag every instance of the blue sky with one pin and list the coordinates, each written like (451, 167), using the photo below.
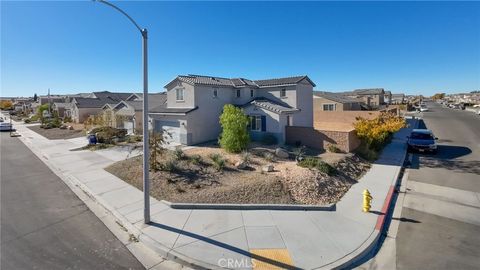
(81, 46)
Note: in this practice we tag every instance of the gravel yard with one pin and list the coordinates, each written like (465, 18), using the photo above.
(195, 178)
(56, 133)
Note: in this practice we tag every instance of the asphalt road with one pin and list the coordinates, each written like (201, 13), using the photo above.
(441, 212)
(43, 223)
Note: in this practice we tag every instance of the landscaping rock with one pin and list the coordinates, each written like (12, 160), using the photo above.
(281, 153)
(267, 168)
(70, 128)
(240, 165)
(63, 127)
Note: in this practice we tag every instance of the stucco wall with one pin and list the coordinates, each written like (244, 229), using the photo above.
(342, 117)
(347, 141)
(188, 95)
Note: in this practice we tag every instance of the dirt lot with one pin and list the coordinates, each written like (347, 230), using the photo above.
(56, 133)
(194, 178)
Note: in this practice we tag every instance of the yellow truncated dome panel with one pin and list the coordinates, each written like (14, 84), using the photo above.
(269, 259)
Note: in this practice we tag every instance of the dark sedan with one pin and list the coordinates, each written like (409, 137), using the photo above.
(422, 140)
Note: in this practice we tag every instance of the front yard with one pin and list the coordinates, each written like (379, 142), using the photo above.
(208, 174)
(57, 133)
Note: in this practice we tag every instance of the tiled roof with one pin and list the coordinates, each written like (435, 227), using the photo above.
(106, 95)
(270, 105)
(239, 82)
(165, 110)
(335, 97)
(369, 91)
(89, 102)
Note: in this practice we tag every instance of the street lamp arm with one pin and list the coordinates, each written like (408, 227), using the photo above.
(123, 12)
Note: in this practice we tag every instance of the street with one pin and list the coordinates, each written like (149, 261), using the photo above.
(440, 226)
(44, 225)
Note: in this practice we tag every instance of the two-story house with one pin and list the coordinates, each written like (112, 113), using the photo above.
(195, 103)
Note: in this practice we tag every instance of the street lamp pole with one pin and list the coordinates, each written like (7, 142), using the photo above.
(146, 182)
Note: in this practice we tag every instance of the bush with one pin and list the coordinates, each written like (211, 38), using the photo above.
(169, 165)
(299, 153)
(178, 154)
(269, 139)
(246, 157)
(366, 153)
(27, 121)
(218, 161)
(332, 148)
(234, 122)
(376, 132)
(269, 156)
(196, 159)
(67, 119)
(315, 163)
(107, 134)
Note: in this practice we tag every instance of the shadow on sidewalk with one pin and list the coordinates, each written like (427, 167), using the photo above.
(223, 245)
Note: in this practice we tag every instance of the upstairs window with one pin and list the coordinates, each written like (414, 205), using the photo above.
(215, 93)
(238, 93)
(329, 107)
(283, 92)
(179, 94)
(251, 93)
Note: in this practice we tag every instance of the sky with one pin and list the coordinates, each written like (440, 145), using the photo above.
(83, 46)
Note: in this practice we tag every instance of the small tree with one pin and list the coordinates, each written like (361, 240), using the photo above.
(234, 137)
(5, 104)
(375, 132)
(156, 148)
(35, 97)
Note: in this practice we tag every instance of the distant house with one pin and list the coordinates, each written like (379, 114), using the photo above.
(62, 109)
(388, 97)
(328, 101)
(398, 99)
(127, 114)
(372, 97)
(195, 103)
(82, 108)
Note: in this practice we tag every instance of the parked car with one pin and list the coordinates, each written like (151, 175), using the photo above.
(5, 126)
(422, 140)
(423, 108)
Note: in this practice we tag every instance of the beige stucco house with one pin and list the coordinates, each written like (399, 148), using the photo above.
(327, 101)
(194, 104)
(81, 108)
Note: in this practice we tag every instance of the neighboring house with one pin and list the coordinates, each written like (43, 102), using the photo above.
(398, 99)
(388, 97)
(128, 114)
(327, 101)
(373, 97)
(50, 99)
(82, 108)
(195, 103)
(62, 109)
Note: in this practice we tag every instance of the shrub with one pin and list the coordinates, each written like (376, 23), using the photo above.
(299, 153)
(315, 163)
(375, 132)
(366, 153)
(246, 157)
(196, 159)
(269, 139)
(332, 148)
(178, 154)
(234, 122)
(169, 165)
(269, 156)
(27, 121)
(107, 134)
(67, 119)
(218, 161)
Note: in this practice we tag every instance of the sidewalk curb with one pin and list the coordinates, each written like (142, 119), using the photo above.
(232, 206)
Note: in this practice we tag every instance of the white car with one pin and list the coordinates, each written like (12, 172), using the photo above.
(423, 108)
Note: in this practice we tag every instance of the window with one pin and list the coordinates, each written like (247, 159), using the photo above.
(215, 93)
(329, 107)
(283, 92)
(251, 93)
(238, 93)
(179, 94)
(256, 123)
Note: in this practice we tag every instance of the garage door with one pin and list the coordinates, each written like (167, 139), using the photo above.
(170, 129)
(128, 125)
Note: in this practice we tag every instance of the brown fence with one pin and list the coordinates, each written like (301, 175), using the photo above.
(320, 139)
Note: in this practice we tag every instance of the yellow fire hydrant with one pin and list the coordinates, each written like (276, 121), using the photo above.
(367, 199)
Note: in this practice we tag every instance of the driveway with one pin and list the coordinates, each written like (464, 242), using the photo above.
(441, 210)
(44, 225)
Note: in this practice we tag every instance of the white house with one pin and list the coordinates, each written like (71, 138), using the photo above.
(194, 104)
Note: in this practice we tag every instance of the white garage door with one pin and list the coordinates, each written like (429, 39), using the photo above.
(170, 129)
(128, 125)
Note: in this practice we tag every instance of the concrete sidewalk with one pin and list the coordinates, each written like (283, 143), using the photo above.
(231, 238)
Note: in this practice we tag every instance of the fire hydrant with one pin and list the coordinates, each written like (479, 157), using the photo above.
(367, 199)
